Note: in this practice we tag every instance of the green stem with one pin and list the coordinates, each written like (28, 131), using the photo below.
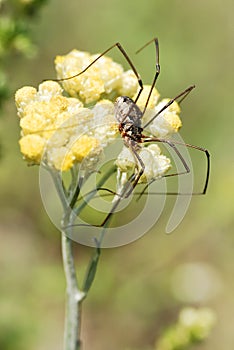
(56, 176)
(74, 298)
(74, 295)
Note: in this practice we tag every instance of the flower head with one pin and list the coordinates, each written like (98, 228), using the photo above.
(102, 78)
(59, 129)
(64, 130)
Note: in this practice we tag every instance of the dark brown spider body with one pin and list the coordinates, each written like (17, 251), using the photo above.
(129, 116)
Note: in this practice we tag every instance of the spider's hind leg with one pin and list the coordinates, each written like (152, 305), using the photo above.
(186, 170)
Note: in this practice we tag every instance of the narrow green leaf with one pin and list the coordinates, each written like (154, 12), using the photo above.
(91, 271)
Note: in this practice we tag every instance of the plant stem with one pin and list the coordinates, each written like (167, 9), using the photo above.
(74, 298)
(75, 295)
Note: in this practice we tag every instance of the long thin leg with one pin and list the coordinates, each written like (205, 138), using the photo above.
(140, 168)
(124, 53)
(126, 191)
(114, 206)
(183, 94)
(173, 144)
(157, 71)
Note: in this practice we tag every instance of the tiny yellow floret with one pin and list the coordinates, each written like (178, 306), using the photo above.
(60, 158)
(49, 88)
(32, 147)
(174, 121)
(168, 121)
(171, 114)
(24, 96)
(84, 146)
(129, 84)
(154, 97)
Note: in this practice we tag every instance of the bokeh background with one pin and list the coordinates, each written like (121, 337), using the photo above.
(139, 288)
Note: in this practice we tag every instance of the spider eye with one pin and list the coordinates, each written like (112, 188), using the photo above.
(125, 98)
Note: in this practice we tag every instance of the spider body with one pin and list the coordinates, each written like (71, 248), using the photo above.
(129, 116)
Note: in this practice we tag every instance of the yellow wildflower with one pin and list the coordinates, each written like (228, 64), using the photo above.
(91, 90)
(72, 132)
(57, 121)
(84, 146)
(33, 123)
(48, 89)
(32, 147)
(88, 86)
(60, 158)
(104, 77)
(129, 84)
(168, 121)
(24, 96)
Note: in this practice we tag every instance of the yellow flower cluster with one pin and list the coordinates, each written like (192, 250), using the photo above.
(104, 78)
(58, 130)
(61, 131)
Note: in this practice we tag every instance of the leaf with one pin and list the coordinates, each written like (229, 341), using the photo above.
(91, 271)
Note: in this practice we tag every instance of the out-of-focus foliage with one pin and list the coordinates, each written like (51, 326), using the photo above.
(192, 327)
(15, 36)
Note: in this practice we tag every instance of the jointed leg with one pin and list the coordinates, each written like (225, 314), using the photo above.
(126, 190)
(124, 53)
(173, 144)
(183, 94)
(140, 170)
(157, 72)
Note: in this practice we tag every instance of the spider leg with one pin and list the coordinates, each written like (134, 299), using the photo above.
(140, 170)
(173, 144)
(183, 94)
(92, 193)
(157, 71)
(124, 53)
(112, 210)
(109, 215)
(129, 186)
(126, 191)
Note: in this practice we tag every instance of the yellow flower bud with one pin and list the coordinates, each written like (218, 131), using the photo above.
(168, 121)
(32, 147)
(129, 84)
(84, 146)
(49, 88)
(24, 96)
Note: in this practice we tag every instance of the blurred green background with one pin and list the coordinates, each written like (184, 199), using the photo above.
(139, 288)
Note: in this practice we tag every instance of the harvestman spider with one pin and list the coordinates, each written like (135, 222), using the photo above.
(129, 116)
